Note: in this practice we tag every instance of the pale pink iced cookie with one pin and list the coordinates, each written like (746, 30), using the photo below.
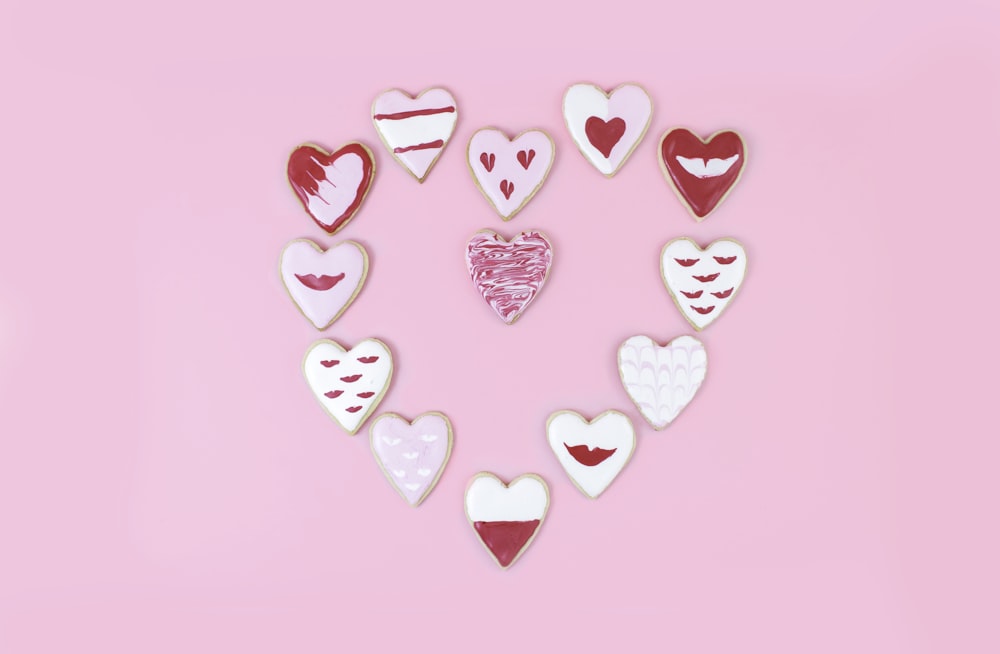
(331, 185)
(348, 384)
(591, 452)
(607, 126)
(415, 130)
(412, 455)
(662, 379)
(506, 517)
(323, 283)
(508, 274)
(703, 282)
(510, 171)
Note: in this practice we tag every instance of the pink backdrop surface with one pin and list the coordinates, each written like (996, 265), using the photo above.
(168, 483)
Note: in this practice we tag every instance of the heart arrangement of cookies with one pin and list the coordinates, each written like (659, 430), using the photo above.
(509, 273)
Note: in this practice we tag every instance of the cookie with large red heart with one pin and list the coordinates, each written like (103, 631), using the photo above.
(508, 274)
(702, 172)
(331, 185)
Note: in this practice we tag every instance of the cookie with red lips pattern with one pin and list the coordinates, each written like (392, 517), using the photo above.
(331, 185)
(592, 452)
(702, 172)
(703, 282)
(323, 283)
(348, 384)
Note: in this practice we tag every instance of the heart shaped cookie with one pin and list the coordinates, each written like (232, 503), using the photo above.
(506, 517)
(662, 379)
(331, 185)
(415, 130)
(349, 384)
(508, 274)
(702, 172)
(591, 452)
(508, 171)
(412, 455)
(703, 282)
(607, 127)
(323, 284)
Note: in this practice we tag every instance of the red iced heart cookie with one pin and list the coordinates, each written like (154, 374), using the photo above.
(331, 186)
(604, 135)
(702, 173)
(508, 274)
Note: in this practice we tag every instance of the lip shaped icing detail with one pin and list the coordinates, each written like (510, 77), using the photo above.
(593, 453)
(705, 168)
(589, 456)
(719, 271)
(331, 185)
(323, 283)
(702, 172)
(416, 452)
(347, 408)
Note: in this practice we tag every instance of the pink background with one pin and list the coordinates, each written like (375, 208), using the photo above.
(168, 484)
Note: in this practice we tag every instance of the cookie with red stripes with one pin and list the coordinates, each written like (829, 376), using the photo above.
(703, 282)
(415, 130)
(348, 384)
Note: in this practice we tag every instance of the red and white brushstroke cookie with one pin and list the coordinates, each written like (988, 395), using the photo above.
(348, 384)
(506, 517)
(415, 130)
(323, 283)
(509, 171)
(331, 185)
(702, 172)
(592, 452)
(607, 127)
(508, 274)
(702, 282)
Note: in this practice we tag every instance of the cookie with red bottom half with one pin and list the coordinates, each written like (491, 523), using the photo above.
(508, 274)
(348, 384)
(509, 171)
(592, 452)
(506, 517)
(331, 185)
(702, 282)
(415, 130)
(412, 455)
(607, 127)
(702, 172)
(323, 283)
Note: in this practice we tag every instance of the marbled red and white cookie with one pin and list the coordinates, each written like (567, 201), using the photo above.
(662, 379)
(331, 185)
(508, 274)
(592, 452)
(701, 282)
(506, 517)
(702, 172)
(415, 130)
(607, 127)
(348, 384)
(323, 283)
(509, 171)
(412, 455)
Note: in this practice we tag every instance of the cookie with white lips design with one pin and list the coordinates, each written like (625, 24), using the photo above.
(348, 384)
(506, 517)
(703, 282)
(607, 127)
(662, 379)
(702, 172)
(415, 130)
(592, 452)
(323, 283)
(412, 455)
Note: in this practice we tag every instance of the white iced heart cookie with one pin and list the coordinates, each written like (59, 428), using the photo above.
(506, 517)
(349, 384)
(662, 379)
(594, 452)
(323, 284)
(415, 130)
(703, 282)
(412, 455)
(607, 126)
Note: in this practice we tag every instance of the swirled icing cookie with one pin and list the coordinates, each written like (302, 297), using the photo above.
(702, 172)
(331, 185)
(508, 171)
(607, 126)
(506, 517)
(348, 384)
(323, 284)
(591, 452)
(662, 379)
(415, 130)
(508, 274)
(412, 455)
(703, 282)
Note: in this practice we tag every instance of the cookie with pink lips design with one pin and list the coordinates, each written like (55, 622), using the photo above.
(323, 283)
(509, 171)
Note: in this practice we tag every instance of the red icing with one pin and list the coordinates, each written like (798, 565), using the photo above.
(589, 457)
(725, 261)
(420, 146)
(366, 395)
(371, 359)
(692, 296)
(704, 310)
(321, 283)
(350, 379)
(305, 172)
(508, 275)
(488, 160)
(333, 394)
(506, 538)
(506, 188)
(703, 195)
(687, 263)
(352, 409)
(707, 278)
(401, 115)
(604, 135)
(525, 158)
(329, 363)
(722, 295)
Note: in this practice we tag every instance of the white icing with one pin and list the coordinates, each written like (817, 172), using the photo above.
(704, 168)
(337, 192)
(681, 279)
(488, 500)
(374, 378)
(662, 380)
(630, 102)
(415, 130)
(610, 431)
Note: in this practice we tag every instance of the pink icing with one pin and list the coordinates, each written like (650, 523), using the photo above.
(508, 274)
(412, 456)
(511, 172)
(302, 258)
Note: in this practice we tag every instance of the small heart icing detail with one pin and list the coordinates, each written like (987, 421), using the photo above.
(522, 162)
(607, 127)
(701, 282)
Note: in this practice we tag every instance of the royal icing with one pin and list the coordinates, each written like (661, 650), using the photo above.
(510, 171)
(607, 127)
(508, 274)
(331, 186)
(349, 384)
(592, 453)
(323, 284)
(662, 379)
(412, 455)
(506, 517)
(415, 130)
(703, 282)
(702, 172)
